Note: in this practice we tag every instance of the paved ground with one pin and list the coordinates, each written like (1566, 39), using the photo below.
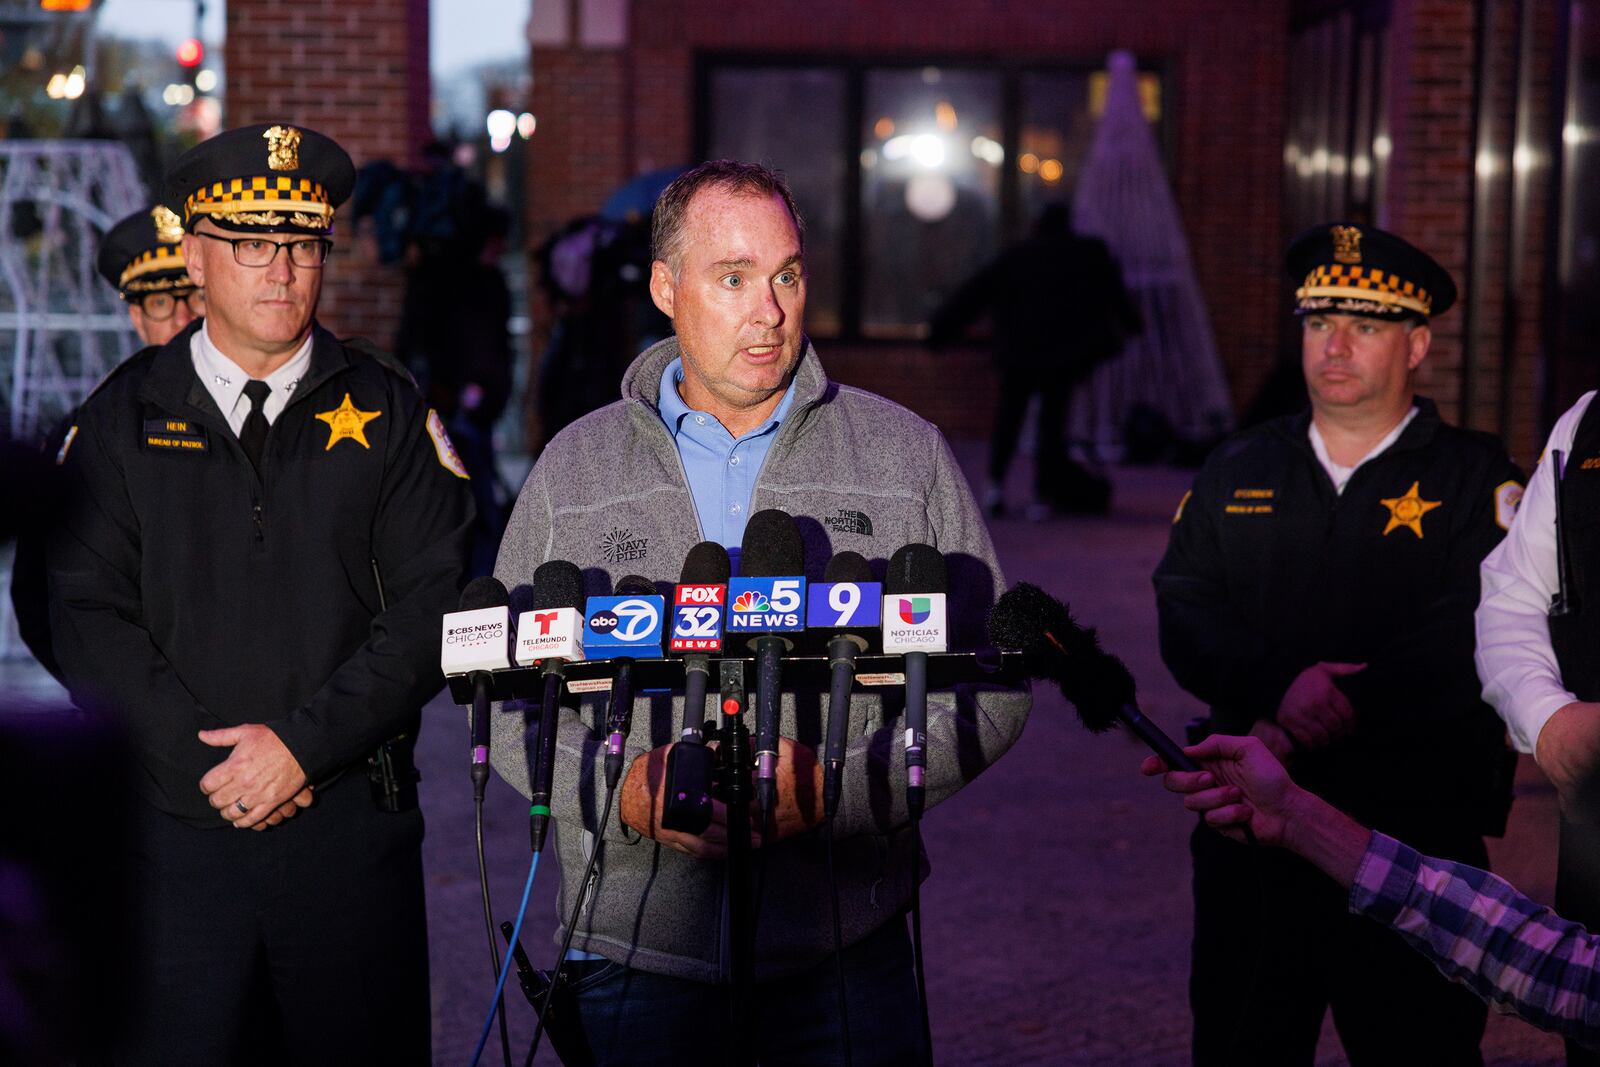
(1056, 920)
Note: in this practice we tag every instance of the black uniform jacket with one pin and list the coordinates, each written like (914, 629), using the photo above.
(187, 593)
(1269, 571)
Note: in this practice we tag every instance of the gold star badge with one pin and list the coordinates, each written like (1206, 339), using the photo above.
(1408, 510)
(347, 420)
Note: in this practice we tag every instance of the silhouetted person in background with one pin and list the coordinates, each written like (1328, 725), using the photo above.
(595, 272)
(1059, 309)
(455, 336)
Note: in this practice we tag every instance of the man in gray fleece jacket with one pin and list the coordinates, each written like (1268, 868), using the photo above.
(630, 489)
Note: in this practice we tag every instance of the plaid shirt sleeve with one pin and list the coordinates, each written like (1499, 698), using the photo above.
(1518, 955)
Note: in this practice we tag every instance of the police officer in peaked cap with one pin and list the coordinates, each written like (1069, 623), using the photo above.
(266, 524)
(1317, 592)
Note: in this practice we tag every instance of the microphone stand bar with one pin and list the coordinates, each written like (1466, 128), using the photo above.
(873, 671)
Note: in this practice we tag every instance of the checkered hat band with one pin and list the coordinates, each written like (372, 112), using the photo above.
(254, 190)
(167, 257)
(1368, 283)
(261, 194)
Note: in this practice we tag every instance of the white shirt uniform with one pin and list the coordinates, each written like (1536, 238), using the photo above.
(1516, 662)
(1340, 476)
(224, 379)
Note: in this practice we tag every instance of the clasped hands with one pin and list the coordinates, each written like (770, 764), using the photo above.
(799, 802)
(260, 784)
(1313, 713)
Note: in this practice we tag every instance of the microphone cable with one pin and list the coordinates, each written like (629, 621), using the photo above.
(619, 721)
(572, 925)
(500, 984)
(488, 918)
(838, 950)
(916, 941)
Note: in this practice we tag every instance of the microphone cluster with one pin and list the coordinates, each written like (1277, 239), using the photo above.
(768, 612)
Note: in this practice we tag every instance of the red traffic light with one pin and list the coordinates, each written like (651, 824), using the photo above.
(190, 53)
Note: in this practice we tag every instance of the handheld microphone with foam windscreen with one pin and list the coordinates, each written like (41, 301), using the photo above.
(768, 601)
(698, 606)
(914, 623)
(550, 632)
(622, 628)
(476, 642)
(847, 608)
(1096, 683)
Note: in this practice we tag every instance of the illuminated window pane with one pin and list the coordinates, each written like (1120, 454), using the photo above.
(930, 190)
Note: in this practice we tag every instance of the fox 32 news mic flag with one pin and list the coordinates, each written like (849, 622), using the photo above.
(846, 609)
(699, 605)
(768, 601)
(550, 632)
(476, 641)
(914, 624)
(622, 628)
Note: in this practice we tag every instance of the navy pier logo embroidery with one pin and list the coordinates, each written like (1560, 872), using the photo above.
(620, 546)
(847, 521)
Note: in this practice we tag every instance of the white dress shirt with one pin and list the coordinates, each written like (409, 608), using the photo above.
(1521, 677)
(1341, 475)
(224, 379)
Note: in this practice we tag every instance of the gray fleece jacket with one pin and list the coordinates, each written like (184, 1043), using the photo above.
(857, 472)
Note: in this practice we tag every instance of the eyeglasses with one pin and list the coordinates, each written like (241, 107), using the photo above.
(158, 307)
(308, 254)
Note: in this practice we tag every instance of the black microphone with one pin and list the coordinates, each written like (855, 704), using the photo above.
(620, 720)
(557, 585)
(476, 644)
(914, 623)
(699, 602)
(1096, 683)
(845, 641)
(771, 548)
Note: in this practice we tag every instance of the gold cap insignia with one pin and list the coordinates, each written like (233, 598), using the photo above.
(1346, 244)
(283, 148)
(169, 228)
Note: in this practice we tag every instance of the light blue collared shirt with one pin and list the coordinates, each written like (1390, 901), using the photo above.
(721, 470)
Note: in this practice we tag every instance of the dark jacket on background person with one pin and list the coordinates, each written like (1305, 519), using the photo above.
(1057, 301)
(189, 593)
(1269, 571)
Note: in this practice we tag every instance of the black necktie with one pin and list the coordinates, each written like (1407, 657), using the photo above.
(253, 434)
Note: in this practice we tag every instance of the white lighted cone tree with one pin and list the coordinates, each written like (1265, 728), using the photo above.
(1123, 198)
(61, 326)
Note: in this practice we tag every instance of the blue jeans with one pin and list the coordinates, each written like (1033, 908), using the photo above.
(629, 1016)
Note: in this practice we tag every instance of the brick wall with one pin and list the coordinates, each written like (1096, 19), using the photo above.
(1441, 191)
(606, 114)
(1431, 90)
(356, 70)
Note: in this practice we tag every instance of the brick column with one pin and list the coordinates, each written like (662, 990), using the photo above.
(356, 70)
(1430, 120)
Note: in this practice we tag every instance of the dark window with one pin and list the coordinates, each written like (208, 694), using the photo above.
(792, 119)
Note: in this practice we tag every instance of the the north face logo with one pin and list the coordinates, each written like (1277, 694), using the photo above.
(619, 546)
(846, 521)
